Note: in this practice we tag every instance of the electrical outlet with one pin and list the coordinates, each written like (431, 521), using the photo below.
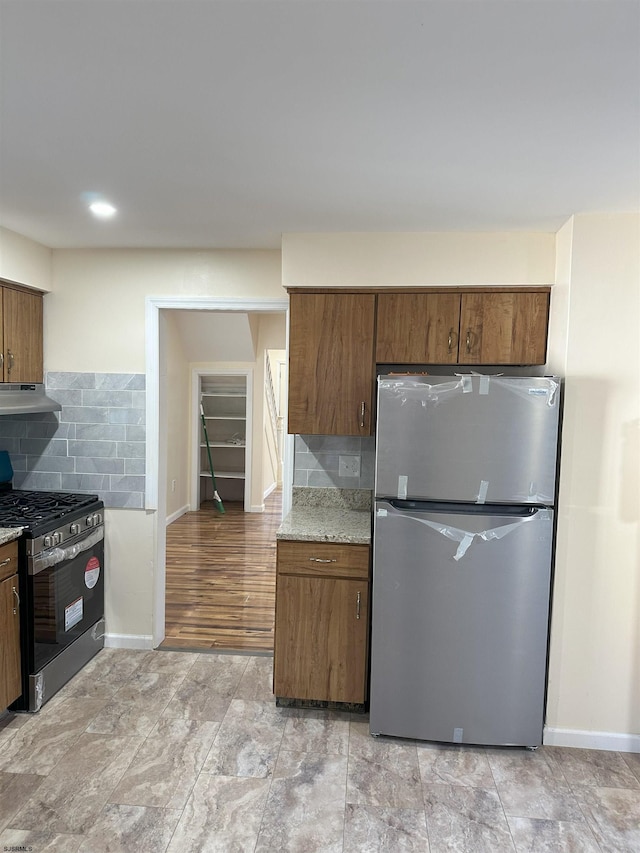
(348, 466)
(173, 485)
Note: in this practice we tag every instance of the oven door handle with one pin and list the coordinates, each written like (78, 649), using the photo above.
(54, 556)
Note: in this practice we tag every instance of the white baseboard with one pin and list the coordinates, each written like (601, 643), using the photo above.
(128, 641)
(176, 515)
(260, 507)
(612, 741)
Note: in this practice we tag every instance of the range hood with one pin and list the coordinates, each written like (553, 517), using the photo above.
(24, 398)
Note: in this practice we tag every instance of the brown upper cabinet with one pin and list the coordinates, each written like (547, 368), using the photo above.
(20, 335)
(337, 337)
(331, 365)
(503, 328)
(478, 327)
(417, 328)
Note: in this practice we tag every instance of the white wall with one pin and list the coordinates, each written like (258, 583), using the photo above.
(389, 260)
(215, 335)
(96, 313)
(24, 261)
(594, 680)
(95, 321)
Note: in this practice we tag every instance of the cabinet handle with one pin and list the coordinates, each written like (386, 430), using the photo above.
(15, 592)
(320, 560)
(10, 354)
(358, 606)
(468, 340)
(362, 410)
(5, 562)
(1, 361)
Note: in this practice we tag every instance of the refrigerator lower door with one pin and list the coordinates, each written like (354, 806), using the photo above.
(459, 624)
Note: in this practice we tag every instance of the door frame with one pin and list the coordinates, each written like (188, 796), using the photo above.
(156, 451)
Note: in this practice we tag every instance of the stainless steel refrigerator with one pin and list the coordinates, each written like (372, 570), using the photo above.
(462, 555)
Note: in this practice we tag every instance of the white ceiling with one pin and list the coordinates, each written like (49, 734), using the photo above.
(224, 123)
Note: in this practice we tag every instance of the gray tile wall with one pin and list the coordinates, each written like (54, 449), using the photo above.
(316, 461)
(96, 444)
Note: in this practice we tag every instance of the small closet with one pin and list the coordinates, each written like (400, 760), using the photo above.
(224, 400)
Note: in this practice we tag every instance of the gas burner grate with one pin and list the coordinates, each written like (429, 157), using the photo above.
(24, 508)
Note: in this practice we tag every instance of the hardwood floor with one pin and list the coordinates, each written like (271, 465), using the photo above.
(221, 578)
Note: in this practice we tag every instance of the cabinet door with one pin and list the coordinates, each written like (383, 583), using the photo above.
(331, 367)
(417, 328)
(22, 336)
(321, 638)
(10, 680)
(503, 328)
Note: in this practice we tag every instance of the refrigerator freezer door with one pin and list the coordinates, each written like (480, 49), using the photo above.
(459, 625)
(479, 439)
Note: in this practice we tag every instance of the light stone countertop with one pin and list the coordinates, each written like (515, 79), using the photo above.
(8, 534)
(326, 524)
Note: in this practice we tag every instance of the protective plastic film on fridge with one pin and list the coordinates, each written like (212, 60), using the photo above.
(463, 538)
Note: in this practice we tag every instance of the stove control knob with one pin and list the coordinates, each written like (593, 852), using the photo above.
(74, 529)
(48, 541)
(57, 538)
(90, 520)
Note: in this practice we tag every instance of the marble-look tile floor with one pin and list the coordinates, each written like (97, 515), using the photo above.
(146, 752)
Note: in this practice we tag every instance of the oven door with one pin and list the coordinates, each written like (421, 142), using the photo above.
(66, 592)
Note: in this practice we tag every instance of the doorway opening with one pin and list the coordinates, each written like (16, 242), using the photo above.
(169, 408)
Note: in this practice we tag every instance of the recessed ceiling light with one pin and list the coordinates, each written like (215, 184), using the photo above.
(102, 209)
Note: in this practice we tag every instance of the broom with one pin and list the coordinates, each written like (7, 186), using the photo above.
(216, 496)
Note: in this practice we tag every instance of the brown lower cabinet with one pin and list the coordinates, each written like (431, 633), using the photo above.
(10, 680)
(322, 622)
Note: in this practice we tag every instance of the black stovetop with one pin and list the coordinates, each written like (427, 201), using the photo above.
(40, 510)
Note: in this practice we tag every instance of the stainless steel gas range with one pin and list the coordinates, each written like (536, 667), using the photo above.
(61, 570)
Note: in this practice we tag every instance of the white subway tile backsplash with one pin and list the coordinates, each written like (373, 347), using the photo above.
(97, 465)
(67, 380)
(100, 432)
(97, 443)
(126, 381)
(93, 448)
(135, 466)
(126, 416)
(316, 461)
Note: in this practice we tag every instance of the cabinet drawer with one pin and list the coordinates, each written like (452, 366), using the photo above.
(8, 559)
(323, 559)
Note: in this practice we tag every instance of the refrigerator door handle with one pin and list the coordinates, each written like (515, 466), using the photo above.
(514, 510)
